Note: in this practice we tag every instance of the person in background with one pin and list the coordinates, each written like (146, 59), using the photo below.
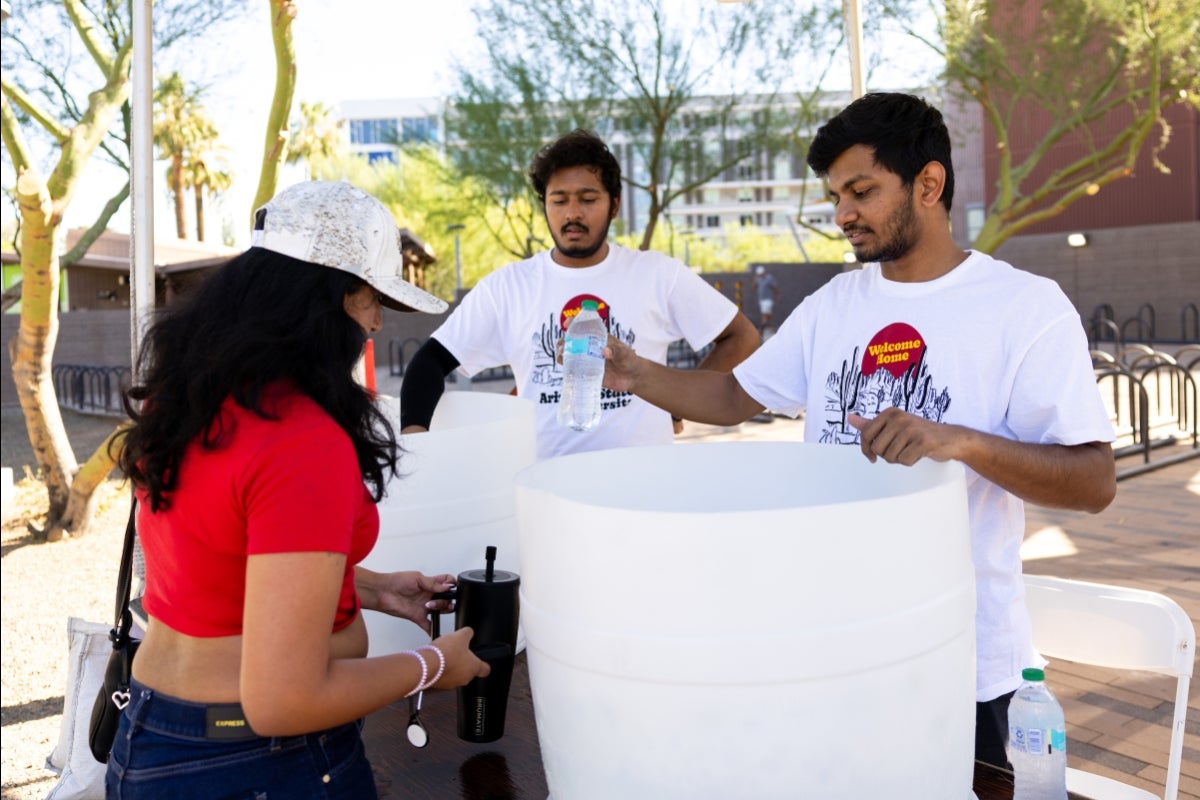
(517, 314)
(258, 461)
(768, 294)
(926, 352)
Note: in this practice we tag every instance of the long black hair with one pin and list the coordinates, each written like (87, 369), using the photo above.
(260, 318)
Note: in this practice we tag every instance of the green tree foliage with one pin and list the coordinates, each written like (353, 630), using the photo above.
(65, 84)
(316, 138)
(183, 132)
(738, 246)
(207, 174)
(1093, 77)
(427, 194)
(659, 79)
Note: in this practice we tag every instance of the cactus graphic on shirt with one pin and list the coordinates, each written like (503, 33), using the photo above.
(849, 389)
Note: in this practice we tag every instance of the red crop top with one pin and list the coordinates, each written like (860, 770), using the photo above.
(286, 485)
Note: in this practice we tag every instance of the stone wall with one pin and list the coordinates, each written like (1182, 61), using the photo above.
(1126, 268)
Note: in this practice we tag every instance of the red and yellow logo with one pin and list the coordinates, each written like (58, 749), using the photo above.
(895, 348)
(575, 305)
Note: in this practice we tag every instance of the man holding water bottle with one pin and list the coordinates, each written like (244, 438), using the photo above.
(928, 351)
(517, 315)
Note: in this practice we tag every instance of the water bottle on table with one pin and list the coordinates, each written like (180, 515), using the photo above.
(583, 369)
(1037, 741)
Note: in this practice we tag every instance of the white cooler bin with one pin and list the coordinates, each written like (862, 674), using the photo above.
(749, 620)
(454, 497)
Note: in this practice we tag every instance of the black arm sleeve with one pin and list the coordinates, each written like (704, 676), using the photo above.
(424, 382)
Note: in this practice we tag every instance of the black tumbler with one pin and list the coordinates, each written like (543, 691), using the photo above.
(487, 601)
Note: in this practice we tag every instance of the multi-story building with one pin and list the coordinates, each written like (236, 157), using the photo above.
(766, 189)
(1139, 235)
(378, 128)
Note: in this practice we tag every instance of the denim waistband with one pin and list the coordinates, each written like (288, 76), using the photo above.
(214, 721)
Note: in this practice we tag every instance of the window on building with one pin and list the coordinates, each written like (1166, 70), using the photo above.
(745, 195)
(381, 156)
(712, 154)
(373, 131)
(712, 221)
(782, 167)
(419, 130)
(712, 197)
(746, 219)
(746, 172)
(975, 218)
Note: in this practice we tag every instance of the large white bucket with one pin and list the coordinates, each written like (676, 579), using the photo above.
(455, 497)
(749, 619)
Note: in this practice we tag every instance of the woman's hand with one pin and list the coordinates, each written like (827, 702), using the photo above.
(408, 595)
(461, 664)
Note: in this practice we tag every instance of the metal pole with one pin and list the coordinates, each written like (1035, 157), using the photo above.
(141, 179)
(854, 38)
(457, 268)
(455, 227)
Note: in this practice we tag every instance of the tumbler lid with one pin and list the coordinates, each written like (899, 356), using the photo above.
(480, 576)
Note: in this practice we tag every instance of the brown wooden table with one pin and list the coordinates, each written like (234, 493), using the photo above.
(509, 768)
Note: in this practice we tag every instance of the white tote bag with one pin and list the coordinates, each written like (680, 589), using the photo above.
(81, 777)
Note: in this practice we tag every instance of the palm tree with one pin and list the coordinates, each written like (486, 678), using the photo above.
(317, 139)
(181, 125)
(208, 175)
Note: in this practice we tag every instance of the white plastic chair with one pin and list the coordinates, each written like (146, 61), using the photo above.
(1118, 628)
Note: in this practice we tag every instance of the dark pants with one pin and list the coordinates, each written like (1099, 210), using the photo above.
(991, 730)
(165, 749)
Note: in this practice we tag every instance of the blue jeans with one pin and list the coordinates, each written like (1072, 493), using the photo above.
(162, 751)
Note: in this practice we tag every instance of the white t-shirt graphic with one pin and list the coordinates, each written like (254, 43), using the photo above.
(986, 346)
(517, 314)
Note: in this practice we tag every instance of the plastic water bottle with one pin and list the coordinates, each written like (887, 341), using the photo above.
(1037, 741)
(583, 369)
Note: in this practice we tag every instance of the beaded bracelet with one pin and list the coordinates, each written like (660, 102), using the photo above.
(441, 663)
(424, 671)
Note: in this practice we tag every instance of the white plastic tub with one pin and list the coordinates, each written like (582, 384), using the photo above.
(749, 619)
(455, 497)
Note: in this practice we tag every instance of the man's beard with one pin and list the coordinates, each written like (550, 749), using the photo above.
(581, 250)
(902, 234)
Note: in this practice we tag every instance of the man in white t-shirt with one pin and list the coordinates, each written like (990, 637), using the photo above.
(517, 314)
(926, 352)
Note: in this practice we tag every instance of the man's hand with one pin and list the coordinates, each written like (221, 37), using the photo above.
(903, 438)
(408, 595)
(621, 367)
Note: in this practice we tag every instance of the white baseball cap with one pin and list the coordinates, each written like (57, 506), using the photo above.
(760, 269)
(338, 225)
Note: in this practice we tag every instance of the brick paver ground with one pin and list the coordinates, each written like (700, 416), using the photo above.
(1149, 538)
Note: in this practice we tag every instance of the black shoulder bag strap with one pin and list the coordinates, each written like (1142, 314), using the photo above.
(114, 689)
(121, 614)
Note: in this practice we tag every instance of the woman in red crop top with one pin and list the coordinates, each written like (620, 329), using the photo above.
(258, 461)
